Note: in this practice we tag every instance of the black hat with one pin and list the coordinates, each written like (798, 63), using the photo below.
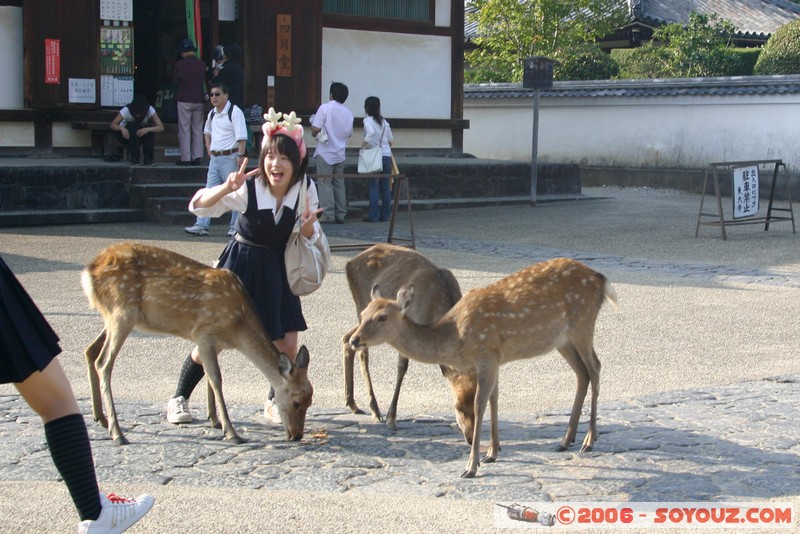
(233, 51)
(186, 45)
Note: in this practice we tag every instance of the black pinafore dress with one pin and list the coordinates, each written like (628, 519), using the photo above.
(27, 341)
(261, 267)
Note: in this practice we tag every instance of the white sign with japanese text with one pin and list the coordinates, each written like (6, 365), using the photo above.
(745, 192)
(82, 91)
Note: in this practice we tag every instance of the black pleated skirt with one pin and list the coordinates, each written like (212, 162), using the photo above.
(263, 274)
(27, 341)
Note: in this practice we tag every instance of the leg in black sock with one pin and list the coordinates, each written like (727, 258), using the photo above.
(69, 446)
(191, 375)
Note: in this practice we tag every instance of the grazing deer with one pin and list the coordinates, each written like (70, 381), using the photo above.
(156, 290)
(391, 267)
(553, 304)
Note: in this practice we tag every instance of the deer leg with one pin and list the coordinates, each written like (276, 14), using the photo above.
(116, 335)
(570, 354)
(487, 379)
(349, 358)
(211, 406)
(373, 401)
(594, 375)
(402, 368)
(494, 442)
(92, 352)
(208, 356)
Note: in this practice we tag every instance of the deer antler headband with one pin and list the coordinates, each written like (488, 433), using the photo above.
(290, 125)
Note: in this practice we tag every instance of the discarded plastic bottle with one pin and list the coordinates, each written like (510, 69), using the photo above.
(529, 515)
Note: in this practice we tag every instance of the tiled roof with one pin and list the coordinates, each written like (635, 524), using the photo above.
(752, 18)
(738, 85)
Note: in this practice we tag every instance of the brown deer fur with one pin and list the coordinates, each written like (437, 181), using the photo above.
(549, 305)
(156, 290)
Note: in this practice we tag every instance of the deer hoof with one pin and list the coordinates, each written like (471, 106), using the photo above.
(121, 440)
(586, 448)
(561, 448)
(391, 424)
(235, 439)
(488, 459)
(469, 473)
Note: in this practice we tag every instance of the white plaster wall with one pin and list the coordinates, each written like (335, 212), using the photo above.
(16, 134)
(11, 58)
(65, 136)
(409, 73)
(442, 15)
(666, 132)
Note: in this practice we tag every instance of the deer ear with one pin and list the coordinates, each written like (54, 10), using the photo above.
(284, 365)
(302, 358)
(405, 296)
(376, 292)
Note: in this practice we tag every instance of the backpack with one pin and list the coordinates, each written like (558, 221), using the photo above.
(250, 145)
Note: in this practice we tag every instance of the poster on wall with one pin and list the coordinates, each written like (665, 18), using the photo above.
(82, 91)
(116, 10)
(116, 91)
(52, 61)
(116, 50)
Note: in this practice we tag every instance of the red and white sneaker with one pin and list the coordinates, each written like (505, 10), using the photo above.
(117, 515)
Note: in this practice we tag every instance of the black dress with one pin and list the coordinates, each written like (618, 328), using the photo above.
(27, 342)
(261, 268)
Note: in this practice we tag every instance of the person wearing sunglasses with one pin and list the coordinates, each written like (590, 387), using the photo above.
(225, 136)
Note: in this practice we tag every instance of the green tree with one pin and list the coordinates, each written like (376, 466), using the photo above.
(700, 48)
(511, 30)
(781, 54)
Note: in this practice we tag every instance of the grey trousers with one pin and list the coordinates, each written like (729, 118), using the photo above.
(191, 118)
(332, 192)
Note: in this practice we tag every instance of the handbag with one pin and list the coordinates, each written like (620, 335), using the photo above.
(370, 160)
(395, 170)
(306, 263)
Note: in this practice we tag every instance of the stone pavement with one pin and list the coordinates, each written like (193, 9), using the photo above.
(698, 403)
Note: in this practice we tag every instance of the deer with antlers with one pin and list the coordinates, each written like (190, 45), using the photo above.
(155, 290)
(391, 267)
(549, 305)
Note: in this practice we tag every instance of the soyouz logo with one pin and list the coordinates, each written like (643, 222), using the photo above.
(644, 515)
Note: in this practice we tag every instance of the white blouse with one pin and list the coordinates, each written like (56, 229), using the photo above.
(238, 200)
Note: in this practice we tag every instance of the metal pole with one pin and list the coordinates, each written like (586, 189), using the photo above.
(535, 147)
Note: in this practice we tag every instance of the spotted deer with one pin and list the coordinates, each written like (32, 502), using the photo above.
(155, 290)
(391, 267)
(553, 304)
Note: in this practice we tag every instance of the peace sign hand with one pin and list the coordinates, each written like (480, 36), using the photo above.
(236, 179)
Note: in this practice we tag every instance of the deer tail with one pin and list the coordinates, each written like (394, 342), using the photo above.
(87, 282)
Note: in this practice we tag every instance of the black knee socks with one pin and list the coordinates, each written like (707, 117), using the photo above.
(191, 375)
(71, 451)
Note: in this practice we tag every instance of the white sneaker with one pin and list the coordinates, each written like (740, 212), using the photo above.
(117, 515)
(196, 230)
(178, 411)
(271, 413)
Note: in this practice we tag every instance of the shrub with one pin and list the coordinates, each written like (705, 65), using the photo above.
(781, 54)
(587, 62)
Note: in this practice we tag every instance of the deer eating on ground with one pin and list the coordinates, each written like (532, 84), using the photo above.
(391, 267)
(549, 305)
(158, 291)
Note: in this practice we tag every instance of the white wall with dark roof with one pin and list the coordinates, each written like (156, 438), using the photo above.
(621, 126)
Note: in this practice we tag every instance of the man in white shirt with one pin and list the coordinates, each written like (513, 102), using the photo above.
(225, 134)
(336, 122)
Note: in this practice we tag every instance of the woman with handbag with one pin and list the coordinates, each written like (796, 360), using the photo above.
(268, 199)
(378, 133)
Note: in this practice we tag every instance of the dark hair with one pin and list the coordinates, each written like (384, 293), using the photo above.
(221, 86)
(233, 52)
(339, 92)
(139, 107)
(372, 107)
(283, 144)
